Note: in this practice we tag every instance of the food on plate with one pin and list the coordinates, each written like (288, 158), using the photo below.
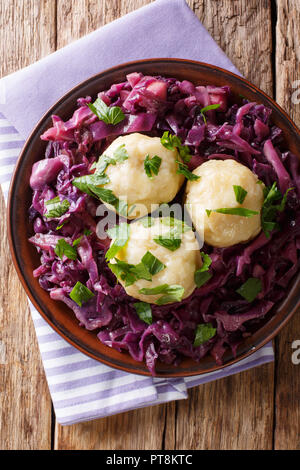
(225, 202)
(148, 294)
(143, 173)
(158, 262)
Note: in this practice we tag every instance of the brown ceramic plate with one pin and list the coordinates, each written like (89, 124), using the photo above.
(26, 259)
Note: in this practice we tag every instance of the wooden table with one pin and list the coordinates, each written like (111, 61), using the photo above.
(257, 409)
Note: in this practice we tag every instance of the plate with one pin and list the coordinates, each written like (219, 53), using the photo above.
(25, 256)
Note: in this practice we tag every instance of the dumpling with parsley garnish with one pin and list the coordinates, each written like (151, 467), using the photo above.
(155, 259)
(141, 171)
(225, 202)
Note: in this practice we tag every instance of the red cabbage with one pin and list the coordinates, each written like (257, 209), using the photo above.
(238, 130)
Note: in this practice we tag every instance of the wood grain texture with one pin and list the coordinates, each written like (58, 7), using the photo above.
(233, 413)
(138, 429)
(243, 30)
(27, 33)
(75, 19)
(287, 419)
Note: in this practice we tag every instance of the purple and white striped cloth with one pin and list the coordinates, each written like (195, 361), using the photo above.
(81, 388)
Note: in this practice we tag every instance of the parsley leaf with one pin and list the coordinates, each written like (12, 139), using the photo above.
(56, 208)
(270, 209)
(173, 142)
(141, 271)
(170, 241)
(178, 225)
(240, 193)
(152, 165)
(108, 114)
(173, 293)
(153, 264)
(162, 289)
(250, 289)
(64, 248)
(183, 169)
(241, 211)
(206, 261)
(120, 155)
(204, 332)
(144, 311)
(90, 184)
(208, 108)
(78, 240)
(103, 162)
(201, 278)
(119, 235)
(202, 275)
(129, 273)
(81, 294)
(122, 270)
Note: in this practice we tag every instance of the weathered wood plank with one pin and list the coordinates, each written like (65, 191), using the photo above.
(287, 422)
(27, 32)
(232, 413)
(243, 30)
(75, 19)
(139, 429)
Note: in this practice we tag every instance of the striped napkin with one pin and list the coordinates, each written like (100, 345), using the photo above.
(81, 388)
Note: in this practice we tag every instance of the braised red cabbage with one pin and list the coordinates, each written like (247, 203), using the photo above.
(239, 130)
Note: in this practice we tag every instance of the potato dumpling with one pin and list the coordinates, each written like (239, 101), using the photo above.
(129, 181)
(180, 264)
(215, 190)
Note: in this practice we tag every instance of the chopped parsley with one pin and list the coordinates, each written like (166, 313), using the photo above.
(78, 240)
(183, 170)
(204, 332)
(130, 273)
(56, 208)
(169, 241)
(90, 184)
(240, 193)
(120, 155)
(108, 114)
(152, 263)
(144, 311)
(176, 224)
(208, 108)
(63, 248)
(241, 211)
(250, 289)
(202, 275)
(173, 293)
(81, 294)
(119, 235)
(173, 142)
(152, 165)
(270, 208)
